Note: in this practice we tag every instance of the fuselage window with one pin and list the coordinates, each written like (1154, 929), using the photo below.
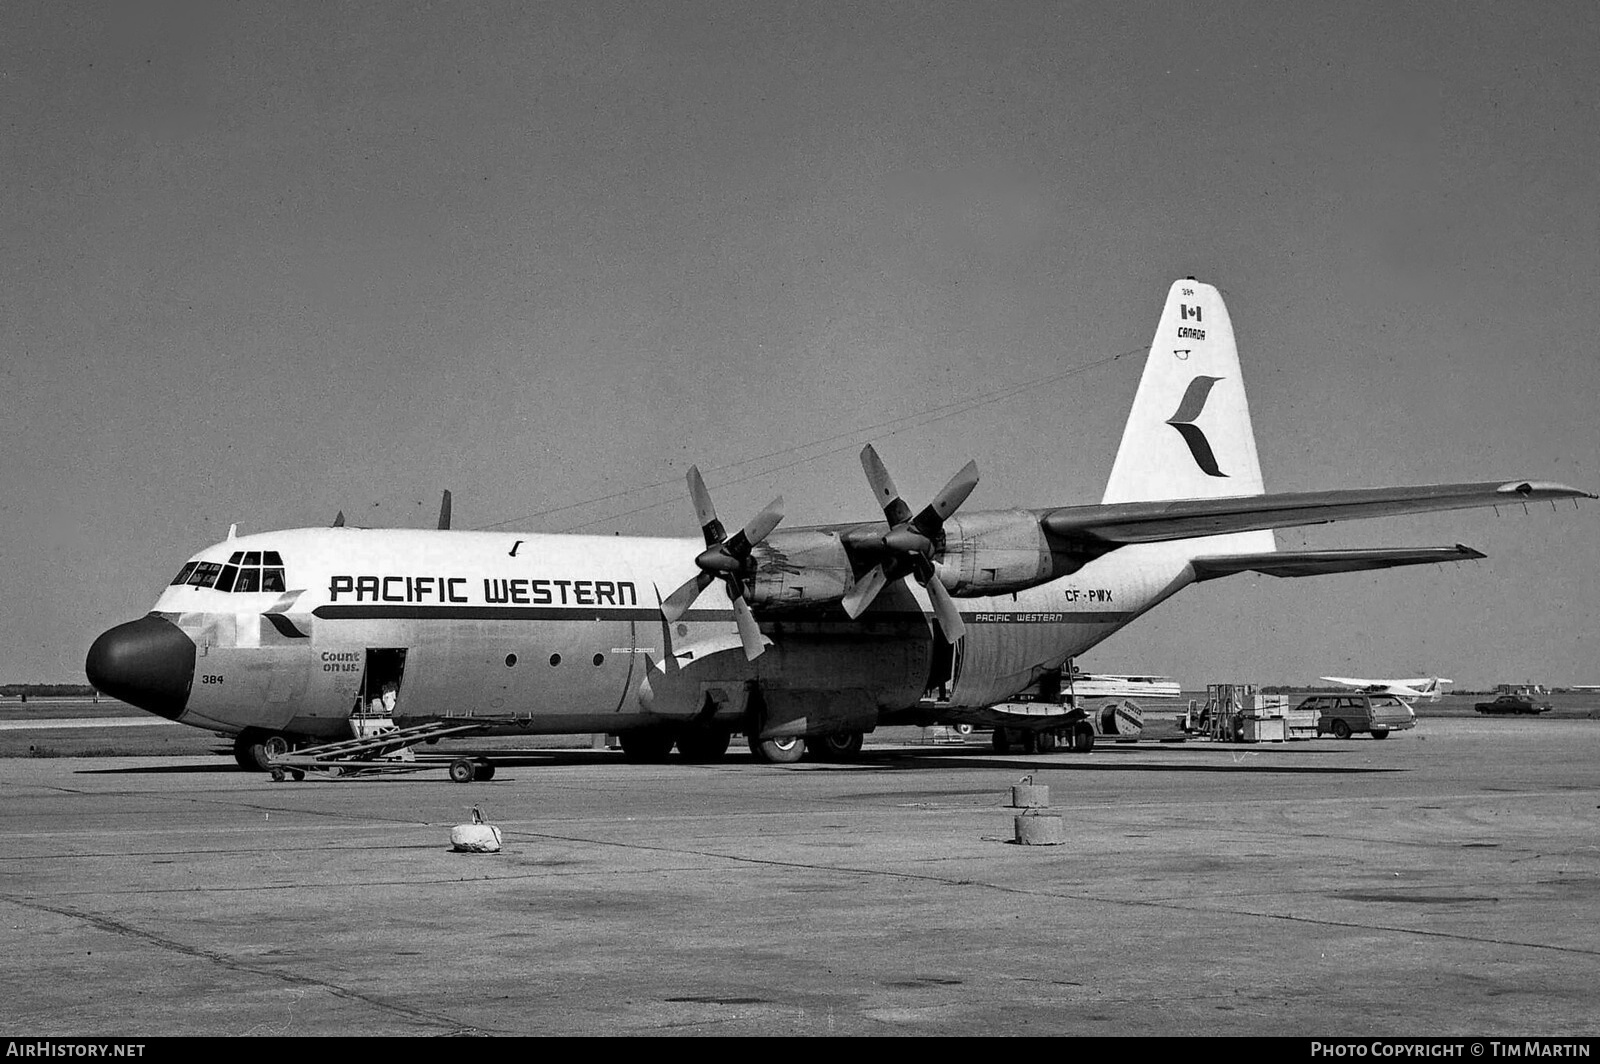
(249, 580)
(225, 582)
(272, 579)
(252, 557)
(184, 573)
(236, 557)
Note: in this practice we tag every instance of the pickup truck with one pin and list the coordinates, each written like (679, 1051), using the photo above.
(1513, 704)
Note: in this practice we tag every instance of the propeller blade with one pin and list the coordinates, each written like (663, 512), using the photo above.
(677, 604)
(704, 512)
(950, 499)
(863, 591)
(944, 610)
(338, 521)
(762, 524)
(910, 542)
(444, 511)
(895, 510)
(725, 558)
(739, 545)
(749, 630)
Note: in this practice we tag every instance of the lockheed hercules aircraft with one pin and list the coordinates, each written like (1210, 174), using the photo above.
(816, 635)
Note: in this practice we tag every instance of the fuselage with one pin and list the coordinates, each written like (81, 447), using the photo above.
(563, 633)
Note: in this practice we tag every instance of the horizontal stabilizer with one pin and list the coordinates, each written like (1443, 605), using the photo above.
(1323, 562)
(1153, 522)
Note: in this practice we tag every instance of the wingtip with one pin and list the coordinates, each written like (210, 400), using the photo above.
(1543, 489)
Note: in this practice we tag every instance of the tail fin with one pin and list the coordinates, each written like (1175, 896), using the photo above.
(1189, 434)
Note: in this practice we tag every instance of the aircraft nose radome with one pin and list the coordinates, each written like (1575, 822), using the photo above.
(147, 663)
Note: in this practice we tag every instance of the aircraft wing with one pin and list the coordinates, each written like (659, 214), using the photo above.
(1152, 522)
(1358, 682)
(1408, 691)
(1415, 683)
(1322, 562)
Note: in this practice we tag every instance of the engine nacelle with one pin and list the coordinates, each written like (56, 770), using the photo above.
(996, 552)
(799, 567)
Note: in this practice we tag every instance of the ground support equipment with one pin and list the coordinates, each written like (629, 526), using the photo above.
(381, 754)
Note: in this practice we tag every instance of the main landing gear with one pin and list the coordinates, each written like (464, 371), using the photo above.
(778, 751)
(838, 746)
(647, 745)
(710, 744)
(704, 744)
(835, 746)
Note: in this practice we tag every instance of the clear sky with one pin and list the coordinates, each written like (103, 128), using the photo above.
(266, 262)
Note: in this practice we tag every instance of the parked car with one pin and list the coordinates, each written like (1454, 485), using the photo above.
(1513, 704)
(1344, 715)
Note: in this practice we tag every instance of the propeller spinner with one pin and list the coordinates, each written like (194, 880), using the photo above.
(910, 542)
(725, 558)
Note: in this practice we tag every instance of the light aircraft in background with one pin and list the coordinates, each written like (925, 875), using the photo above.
(818, 635)
(1412, 690)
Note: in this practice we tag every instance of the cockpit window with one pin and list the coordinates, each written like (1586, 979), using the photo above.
(205, 574)
(244, 573)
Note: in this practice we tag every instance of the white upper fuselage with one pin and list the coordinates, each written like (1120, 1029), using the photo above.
(561, 632)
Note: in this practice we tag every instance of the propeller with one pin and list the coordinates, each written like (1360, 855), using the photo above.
(909, 543)
(726, 558)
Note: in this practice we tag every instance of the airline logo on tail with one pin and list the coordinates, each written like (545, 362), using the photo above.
(1193, 404)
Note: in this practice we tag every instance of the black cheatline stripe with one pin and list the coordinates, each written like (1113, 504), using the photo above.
(379, 611)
